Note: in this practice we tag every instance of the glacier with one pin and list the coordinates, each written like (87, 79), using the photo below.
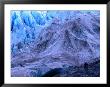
(46, 43)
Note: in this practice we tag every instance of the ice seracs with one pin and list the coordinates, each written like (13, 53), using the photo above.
(54, 39)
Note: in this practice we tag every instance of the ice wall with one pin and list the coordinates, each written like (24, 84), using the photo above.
(42, 41)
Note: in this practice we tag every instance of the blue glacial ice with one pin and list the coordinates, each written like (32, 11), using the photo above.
(45, 40)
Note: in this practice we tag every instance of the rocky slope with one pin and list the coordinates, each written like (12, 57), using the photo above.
(68, 39)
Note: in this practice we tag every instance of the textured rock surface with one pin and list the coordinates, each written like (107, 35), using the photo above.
(53, 42)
